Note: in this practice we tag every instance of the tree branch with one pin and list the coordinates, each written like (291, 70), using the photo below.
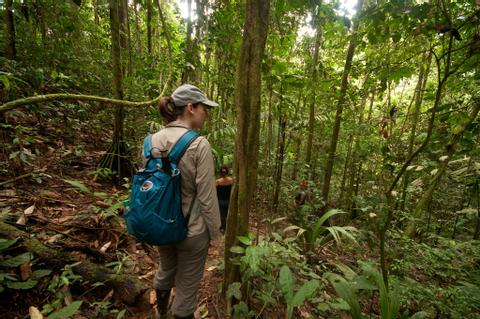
(71, 97)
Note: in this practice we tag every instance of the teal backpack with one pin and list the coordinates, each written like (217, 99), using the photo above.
(154, 213)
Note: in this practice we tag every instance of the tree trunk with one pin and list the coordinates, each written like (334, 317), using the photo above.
(128, 288)
(426, 198)
(354, 163)
(282, 127)
(476, 233)
(95, 12)
(314, 86)
(10, 51)
(187, 73)
(149, 25)
(247, 101)
(338, 116)
(421, 83)
(115, 158)
(137, 29)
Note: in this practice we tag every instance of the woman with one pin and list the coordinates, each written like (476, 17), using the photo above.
(181, 265)
(224, 188)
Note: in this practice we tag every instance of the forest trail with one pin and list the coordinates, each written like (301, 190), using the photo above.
(66, 208)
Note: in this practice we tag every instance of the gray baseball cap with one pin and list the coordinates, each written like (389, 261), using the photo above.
(188, 93)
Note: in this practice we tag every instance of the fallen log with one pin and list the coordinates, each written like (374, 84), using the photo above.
(128, 288)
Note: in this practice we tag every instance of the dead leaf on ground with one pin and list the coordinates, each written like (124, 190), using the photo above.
(105, 247)
(108, 296)
(25, 271)
(29, 210)
(54, 238)
(22, 220)
(51, 194)
(152, 297)
(102, 204)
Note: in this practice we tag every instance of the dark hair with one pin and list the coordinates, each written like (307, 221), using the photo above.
(169, 110)
(224, 170)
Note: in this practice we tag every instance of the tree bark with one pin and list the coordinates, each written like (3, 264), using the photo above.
(149, 26)
(187, 73)
(127, 287)
(338, 116)
(247, 101)
(314, 88)
(10, 50)
(421, 83)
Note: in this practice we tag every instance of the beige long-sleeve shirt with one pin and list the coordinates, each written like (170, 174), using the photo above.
(198, 179)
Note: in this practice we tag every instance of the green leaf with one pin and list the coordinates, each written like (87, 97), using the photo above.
(21, 284)
(245, 240)
(346, 291)
(252, 257)
(79, 185)
(121, 314)
(5, 81)
(234, 291)
(17, 260)
(41, 273)
(237, 250)
(67, 311)
(5, 243)
(286, 283)
(305, 292)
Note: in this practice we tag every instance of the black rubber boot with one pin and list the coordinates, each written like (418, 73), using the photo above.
(163, 297)
(186, 317)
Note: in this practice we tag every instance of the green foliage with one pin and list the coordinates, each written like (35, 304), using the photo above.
(369, 279)
(265, 265)
(78, 185)
(295, 299)
(8, 278)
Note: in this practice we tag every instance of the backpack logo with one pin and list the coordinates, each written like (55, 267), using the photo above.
(146, 186)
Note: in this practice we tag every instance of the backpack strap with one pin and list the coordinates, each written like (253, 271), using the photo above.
(147, 147)
(181, 146)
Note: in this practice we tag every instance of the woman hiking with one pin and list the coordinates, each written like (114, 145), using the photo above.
(181, 265)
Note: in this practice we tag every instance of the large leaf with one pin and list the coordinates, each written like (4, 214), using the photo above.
(17, 260)
(234, 291)
(346, 291)
(252, 257)
(29, 284)
(67, 311)
(286, 283)
(5, 243)
(305, 292)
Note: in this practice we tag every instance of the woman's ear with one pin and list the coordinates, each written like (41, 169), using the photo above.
(190, 108)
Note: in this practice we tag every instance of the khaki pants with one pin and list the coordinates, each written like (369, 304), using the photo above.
(181, 265)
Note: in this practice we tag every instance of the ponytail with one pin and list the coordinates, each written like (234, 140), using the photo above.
(168, 110)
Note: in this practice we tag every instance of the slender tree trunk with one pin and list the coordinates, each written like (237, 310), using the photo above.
(338, 116)
(314, 86)
(149, 25)
(476, 233)
(426, 198)
(422, 77)
(353, 164)
(115, 158)
(137, 29)
(282, 125)
(247, 101)
(187, 73)
(95, 12)
(10, 51)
